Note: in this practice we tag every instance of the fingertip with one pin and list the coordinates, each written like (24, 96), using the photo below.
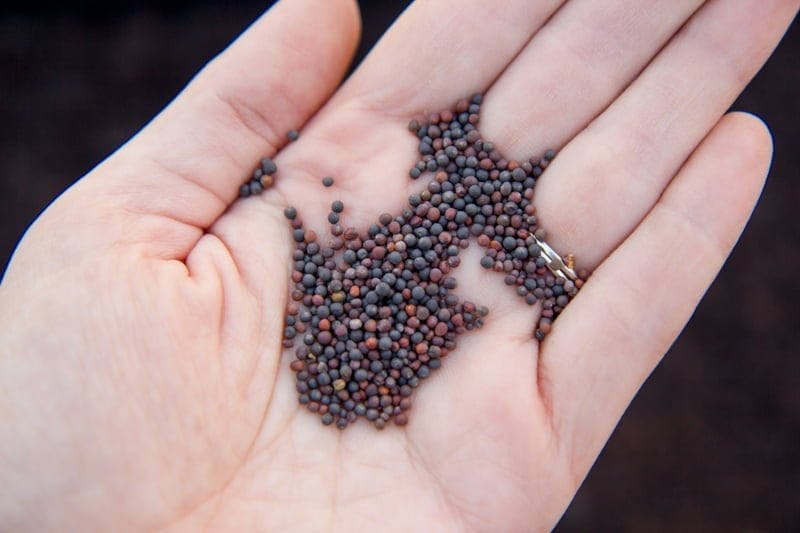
(351, 11)
(752, 138)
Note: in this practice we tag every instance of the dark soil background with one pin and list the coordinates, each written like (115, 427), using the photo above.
(710, 443)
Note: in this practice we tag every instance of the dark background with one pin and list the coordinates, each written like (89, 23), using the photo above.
(710, 443)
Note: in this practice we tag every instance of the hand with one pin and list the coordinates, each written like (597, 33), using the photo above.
(142, 382)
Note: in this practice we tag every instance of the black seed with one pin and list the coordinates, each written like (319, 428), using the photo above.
(268, 166)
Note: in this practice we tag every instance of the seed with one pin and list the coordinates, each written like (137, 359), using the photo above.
(292, 135)
(268, 166)
(377, 320)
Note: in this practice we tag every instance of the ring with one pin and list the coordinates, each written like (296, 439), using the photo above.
(553, 261)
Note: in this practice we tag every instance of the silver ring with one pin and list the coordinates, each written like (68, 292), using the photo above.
(554, 262)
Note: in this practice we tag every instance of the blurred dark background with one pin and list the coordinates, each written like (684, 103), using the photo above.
(710, 443)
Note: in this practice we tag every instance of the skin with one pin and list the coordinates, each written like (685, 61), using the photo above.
(142, 385)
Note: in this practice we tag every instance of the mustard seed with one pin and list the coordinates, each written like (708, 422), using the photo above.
(379, 319)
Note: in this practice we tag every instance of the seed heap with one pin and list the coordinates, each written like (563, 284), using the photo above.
(375, 312)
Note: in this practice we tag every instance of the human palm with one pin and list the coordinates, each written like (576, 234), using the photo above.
(142, 377)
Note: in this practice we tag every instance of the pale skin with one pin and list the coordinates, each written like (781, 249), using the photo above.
(142, 383)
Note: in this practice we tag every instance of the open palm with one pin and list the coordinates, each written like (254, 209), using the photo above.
(142, 381)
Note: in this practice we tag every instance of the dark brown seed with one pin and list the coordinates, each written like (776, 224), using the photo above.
(327, 181)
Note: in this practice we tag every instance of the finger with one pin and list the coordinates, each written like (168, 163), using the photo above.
(635, 304)
(606, 180)
(188, 164)
(574, 67)
(438, 50)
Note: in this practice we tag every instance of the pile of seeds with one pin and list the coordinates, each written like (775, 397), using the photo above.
(375, 312)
